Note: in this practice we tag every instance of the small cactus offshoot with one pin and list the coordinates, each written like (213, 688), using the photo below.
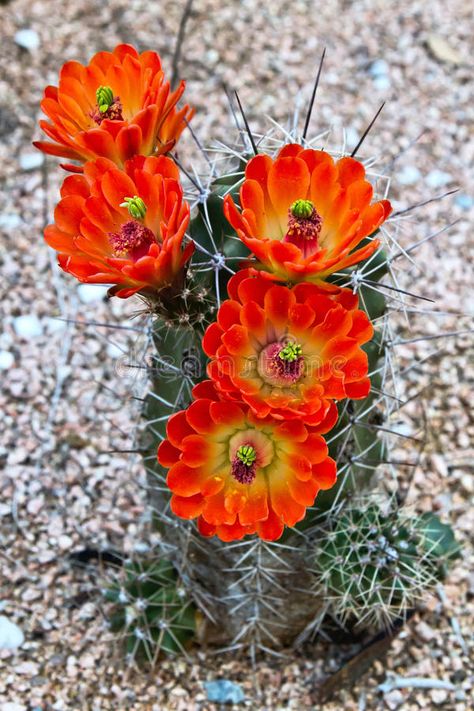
(151, 610)
(375, 565)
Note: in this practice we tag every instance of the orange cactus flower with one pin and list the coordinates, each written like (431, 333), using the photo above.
(240, 474)
(303, 214)
(123, 227)
(117, 106)
(288, 353)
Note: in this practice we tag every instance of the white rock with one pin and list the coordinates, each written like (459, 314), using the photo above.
(28, 39)
(113, 351)
(55, 324)
(442, 50)
(88, 293)
(439, 696)
(212, 56)
(394, 699)
(65, 542)
(6, 360)
(409, 175)
(31, 161)
(379, 68)
(465, 202)
(351, 136)
(27, 668)
(425, 632)
(11, 636)
(27, 326)
(438, 178)
(10, 221)
(35, 505)
(382, 83)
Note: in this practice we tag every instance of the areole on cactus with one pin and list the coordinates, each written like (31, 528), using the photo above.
(269, 361)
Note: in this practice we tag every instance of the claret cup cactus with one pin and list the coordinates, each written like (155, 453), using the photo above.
(273, 385)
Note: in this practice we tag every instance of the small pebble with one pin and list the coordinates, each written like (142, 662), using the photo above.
(394, 699)
(379, 68)
(31, 161)
(223, 691)
(425, 632)
(54, 325)
(438, 696)
(6, 360)
(438, 178)
(88, 293)
(27, 39)
(27, 668)
(11, 636)
(65, 542)
(10, 221)
(27, 326)
(465, 202)
(409, 175)
(113, 351)
(351, 136)
(382, 83)
(442, 50)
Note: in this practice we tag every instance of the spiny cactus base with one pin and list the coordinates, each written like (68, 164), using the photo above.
(376, 563)
(150, 611)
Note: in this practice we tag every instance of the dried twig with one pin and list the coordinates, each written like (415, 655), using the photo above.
(179, 43)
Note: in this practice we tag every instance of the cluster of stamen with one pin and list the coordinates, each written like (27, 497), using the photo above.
(281, 365)
(304, 226)
(244, 464)
(108, 106)
(133, 240)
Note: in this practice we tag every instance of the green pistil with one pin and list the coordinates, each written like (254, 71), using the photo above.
(302, 209)
(291, 352)
(247, 454)
(105, 98)
(136, 206)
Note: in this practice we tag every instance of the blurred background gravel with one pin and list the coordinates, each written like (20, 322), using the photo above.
(65, 398)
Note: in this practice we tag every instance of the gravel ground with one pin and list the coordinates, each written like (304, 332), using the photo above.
(65, 388)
